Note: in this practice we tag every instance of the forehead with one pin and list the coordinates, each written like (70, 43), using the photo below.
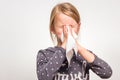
(62, 19)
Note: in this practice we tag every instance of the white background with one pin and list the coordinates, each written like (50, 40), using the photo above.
(24, 29)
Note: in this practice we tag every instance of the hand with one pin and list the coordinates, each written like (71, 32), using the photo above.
(75, 36)
(65, 34)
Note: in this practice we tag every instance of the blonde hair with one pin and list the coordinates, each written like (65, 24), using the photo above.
(65, 8)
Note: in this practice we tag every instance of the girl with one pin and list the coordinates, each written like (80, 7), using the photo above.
(52, 63)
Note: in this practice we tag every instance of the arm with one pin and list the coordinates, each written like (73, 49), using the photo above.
(101, 68)
(87, 55)
(97, 65)
(48, 62)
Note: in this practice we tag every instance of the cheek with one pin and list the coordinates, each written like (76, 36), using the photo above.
(59, 32)
(76, 30)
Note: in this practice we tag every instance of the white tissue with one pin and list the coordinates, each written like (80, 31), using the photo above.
(70, 45)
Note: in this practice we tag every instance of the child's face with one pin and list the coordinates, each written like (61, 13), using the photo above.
(62, 20)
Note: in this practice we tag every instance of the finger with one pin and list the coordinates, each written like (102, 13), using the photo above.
(65, 30)
(70, 29)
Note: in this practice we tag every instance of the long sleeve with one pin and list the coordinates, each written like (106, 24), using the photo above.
(49, 61)
(101, 68)
(98, 66)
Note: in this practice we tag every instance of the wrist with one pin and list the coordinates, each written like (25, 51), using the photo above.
(76, 41)
(64, 44)
(78, 44)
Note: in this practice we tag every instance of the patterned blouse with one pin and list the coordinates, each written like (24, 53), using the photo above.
(53, 65)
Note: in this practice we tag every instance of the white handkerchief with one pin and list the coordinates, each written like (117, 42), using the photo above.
(70, 45)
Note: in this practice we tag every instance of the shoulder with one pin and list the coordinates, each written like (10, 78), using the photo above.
(51, 50)
(43, 53)
(46, 50)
